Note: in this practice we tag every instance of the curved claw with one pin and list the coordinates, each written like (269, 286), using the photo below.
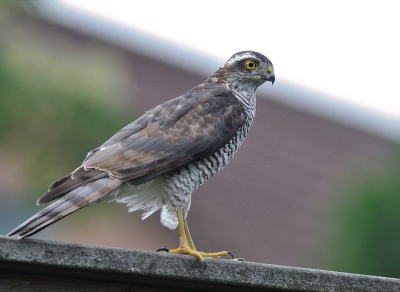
(163, 249)
(231, 254)
(240, 259)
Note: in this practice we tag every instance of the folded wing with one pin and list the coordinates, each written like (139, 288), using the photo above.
(171, 135)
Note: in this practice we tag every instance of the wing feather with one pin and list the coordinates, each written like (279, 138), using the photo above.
(171, 135)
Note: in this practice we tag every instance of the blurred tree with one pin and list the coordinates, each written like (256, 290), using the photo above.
(368, 224)
(58, 99)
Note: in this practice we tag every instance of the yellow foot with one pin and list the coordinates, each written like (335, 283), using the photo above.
(198, 254)
(186, 245)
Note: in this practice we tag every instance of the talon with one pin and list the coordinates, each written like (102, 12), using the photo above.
(186, 245)
(162, 249)
(240, 259)
(229, 253)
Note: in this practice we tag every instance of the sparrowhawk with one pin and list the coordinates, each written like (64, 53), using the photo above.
(160, 159)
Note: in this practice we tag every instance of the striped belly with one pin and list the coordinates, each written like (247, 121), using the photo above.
(182, 183)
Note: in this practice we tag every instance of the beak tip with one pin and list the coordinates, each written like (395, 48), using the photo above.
(272, 79)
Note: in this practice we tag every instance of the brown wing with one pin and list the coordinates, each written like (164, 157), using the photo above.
(173, 134)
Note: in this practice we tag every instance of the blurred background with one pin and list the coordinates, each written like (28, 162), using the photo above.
(315, 184)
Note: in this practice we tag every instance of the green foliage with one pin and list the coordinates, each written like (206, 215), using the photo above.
(57, 102)
(369, 224)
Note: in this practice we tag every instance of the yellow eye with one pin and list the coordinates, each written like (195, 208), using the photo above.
(250, 65)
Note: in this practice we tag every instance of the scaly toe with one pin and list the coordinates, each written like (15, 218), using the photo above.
(216, 255)
(188, 251)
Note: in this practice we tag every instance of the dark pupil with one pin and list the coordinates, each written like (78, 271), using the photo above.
(251, 65)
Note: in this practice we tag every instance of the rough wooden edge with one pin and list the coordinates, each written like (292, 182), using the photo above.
(173, 271)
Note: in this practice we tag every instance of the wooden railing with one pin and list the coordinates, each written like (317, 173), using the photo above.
(37, 265)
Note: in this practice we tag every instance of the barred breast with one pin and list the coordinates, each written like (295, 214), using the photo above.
(181, 184)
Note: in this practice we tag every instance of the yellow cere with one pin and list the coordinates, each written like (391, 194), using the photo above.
(270, 69)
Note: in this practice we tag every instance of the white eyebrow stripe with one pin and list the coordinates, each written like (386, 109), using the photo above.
(242, 57)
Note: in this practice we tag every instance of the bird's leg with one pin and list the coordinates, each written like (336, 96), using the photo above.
(186, 245)
(188, 236)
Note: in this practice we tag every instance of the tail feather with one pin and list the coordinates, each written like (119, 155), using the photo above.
(81, 197)
(74, 180)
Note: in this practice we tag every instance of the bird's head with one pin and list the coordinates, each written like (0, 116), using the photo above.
(246, 68)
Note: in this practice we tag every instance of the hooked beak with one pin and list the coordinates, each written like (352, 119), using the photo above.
(270, 75)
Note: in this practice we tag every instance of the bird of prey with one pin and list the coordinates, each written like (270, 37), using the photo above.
(160, 159)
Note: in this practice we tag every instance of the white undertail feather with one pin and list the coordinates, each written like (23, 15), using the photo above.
(168, 216)
(147, 197)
